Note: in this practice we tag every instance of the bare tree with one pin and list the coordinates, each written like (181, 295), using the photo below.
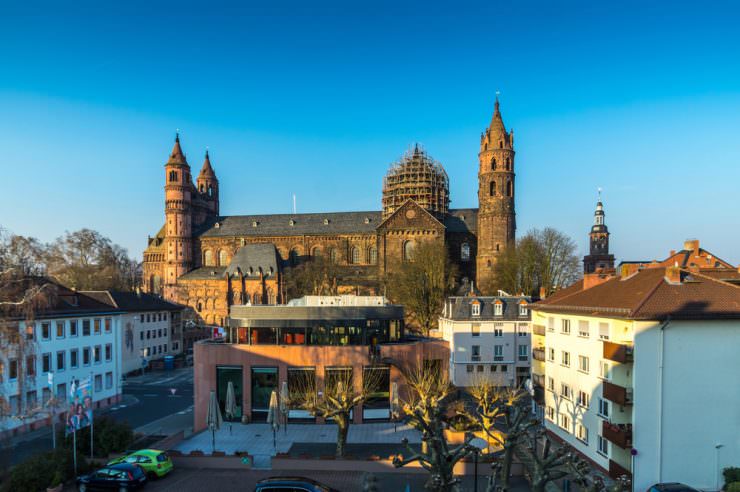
(422, 283)
(540, 259)
(428, 409)
(86, 260)
(339, 397)
(317, 276)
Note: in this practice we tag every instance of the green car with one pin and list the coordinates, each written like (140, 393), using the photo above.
(156, 464)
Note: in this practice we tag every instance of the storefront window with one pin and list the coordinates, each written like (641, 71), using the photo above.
(263, 336)
(224, 375)
(292, 336)
(264, 381)
(377, 406)
(301, 385)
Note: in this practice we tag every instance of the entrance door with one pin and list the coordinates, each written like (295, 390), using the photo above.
(264, 381)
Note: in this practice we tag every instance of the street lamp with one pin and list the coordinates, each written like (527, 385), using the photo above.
(477, 444)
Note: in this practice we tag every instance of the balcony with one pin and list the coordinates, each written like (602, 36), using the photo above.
(617, 394)
(538, 330)
(538, 354)
(616, 470)
(539, 395)
(619, 434)
(618, 352)
(538, 380)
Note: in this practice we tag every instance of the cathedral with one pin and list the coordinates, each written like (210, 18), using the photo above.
(209, 261)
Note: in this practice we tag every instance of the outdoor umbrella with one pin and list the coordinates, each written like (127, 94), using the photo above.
(273, 418)
(284, 404)
(395, 405)
(213, 417)
(230, 405)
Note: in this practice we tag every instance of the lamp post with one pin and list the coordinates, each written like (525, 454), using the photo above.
(477, 444)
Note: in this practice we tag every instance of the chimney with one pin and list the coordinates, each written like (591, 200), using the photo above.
(673, 275)
(543, 292)
(692, 245)
(598, 277)
(628, 269)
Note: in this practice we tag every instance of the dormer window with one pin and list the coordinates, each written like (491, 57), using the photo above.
(367, 220)
(498, 308)
(217, 225)
(475, 309)
(326, 221)
(254, 223)
(523, 309)
(292, 222)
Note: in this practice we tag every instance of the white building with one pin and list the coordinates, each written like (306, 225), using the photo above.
(489, 337)
(151, 328)
(75, 339)
(641, 374)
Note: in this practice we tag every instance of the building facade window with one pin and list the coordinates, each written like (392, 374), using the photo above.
(108, 380)
(566, 391)
(465, 252)
(46, 362)
(583, 399)
(97, 354)
(408, 250)
(565, 326)
(13, 369)
(475, 309)
(108, 352)
(604, 372)
(498, 332)
(550, 414)
(475, 329)
(551, 354)
(61, 359)
(523, 310)
(523, 353)
(208, 258)
(498, 352)
(60, 329)
(108, 325)
(602, 446)
(86, 328)
(551, 324)
(222, 260)
(565, 358)
(475, 353)
(603, 408)
(564, 422)
(96, 326)
(74, 362)
(372, 256)
(333, 257)
(73, 328)
(31, 365)
(550, 383)
(86, 356)
(498, 308)
(583, 328)
(604, 331)
(45, 331)
(583, 363)
(582, 433)
(355, 255)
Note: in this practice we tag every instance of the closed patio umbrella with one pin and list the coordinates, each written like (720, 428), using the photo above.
(230, 404)
(284, 404)
(395, 405)
(213, 417)
(273, 418)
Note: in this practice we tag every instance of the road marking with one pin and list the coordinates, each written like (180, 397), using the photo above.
(150, 394)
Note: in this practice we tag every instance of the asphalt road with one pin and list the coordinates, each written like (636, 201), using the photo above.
(147, 399)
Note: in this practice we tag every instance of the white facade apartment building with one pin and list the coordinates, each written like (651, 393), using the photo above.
(76, 339)
(641, 374)
(151, 328)
(489, 337)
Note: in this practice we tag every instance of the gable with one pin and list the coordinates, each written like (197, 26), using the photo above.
(411, 217)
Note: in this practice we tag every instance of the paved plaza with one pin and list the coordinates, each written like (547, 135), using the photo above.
(257, 439)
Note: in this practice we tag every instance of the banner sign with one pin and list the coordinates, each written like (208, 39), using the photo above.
(80, 413)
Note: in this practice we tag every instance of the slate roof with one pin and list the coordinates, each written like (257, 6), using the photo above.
(204, 273)
(132, 301)
(458, 308)
(65, 301)
(250, 259)
(458, 220)
(648, 295)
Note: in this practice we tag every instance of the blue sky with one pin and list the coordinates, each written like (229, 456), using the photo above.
(317, 99)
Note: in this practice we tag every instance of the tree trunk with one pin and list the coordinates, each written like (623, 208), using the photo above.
(342, 421)
(505, 471)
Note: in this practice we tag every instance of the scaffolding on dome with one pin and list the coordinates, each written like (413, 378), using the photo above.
(418, 177)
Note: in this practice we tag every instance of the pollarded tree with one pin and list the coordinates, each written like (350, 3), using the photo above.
(429, 409)
(339, 397)
(421, 283)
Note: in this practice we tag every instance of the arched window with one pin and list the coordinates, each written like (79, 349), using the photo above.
(173, 176)
(493, 163)
(465, 252)
(199, 306)
(210, 190)
(256, 299)
(201, 188)
(492, 188)
(508, 163)
(208, 258)
(316, 252)
(222, 258)
(372, 256)
(500, 144)
(333, 255)
(270, 296)
(355, 255)
(294, 257)
(508, 188)
(408, 250)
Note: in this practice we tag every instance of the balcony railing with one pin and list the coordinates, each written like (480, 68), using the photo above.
(616, 470)
(538, 354)
(538, 330)
(618, 394)
(538, 380)
(619, 434)
(617, 352)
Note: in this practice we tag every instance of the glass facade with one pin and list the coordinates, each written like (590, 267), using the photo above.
(224, 375)
(301, 382)
(340, 333)
(377, 406)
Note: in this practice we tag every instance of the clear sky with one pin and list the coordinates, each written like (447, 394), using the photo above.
(317, 99)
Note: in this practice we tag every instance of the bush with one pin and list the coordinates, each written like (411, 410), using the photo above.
(731, 474)
(44, 470)
(733, 487)
(109, 435)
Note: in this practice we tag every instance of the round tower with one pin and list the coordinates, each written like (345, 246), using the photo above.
(496, 215)
(178, 215)
(598, 239)
(207, 185)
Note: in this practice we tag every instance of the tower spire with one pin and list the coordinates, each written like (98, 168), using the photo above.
(177, 156)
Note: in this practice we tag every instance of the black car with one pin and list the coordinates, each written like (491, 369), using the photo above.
(671, 487)
(122, 477)
(291, 484)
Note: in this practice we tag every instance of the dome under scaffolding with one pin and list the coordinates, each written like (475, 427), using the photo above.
(417, 176)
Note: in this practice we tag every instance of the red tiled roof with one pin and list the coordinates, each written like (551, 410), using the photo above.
(648, 295)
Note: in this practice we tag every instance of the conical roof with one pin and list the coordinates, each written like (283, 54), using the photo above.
(177, 156)
(207, 170)
(497, 126)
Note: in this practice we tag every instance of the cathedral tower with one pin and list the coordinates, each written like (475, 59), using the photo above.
(178, 215)
(496, 216)
(598, 257)
(207, 203)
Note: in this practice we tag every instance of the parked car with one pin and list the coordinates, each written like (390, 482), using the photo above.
(671, 487)
(156, 464)
(122, 477)
(291, 484)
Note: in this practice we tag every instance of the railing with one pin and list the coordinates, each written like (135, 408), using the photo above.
(475, 358)
(619, 434)
(618, 394)
(538, 380)
(538, 354)
(616, 470)
(538, 330)
(617, 352)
